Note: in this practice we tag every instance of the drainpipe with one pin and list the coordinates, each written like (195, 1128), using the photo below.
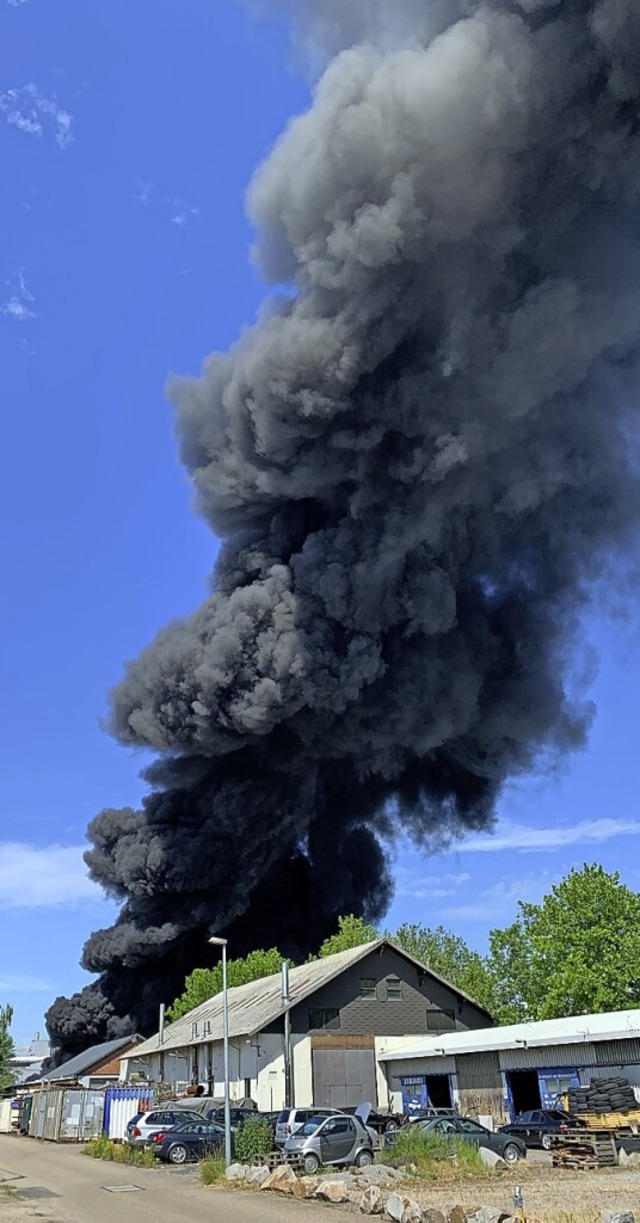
(288, 1070)
(161, 1041)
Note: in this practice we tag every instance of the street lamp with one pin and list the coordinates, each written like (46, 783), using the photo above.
(222, 942)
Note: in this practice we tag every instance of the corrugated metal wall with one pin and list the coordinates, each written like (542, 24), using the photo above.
(545, 1058)
(618, 1053)
(480, 1086)
(121, 1104)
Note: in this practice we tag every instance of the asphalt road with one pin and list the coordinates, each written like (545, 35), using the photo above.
(58, 1184)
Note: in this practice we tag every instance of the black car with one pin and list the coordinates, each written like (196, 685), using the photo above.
(538, 1126)
(239, 1116)
(191, 1141)
(509, 1147)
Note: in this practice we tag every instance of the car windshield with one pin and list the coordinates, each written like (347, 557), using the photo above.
(311, 1126)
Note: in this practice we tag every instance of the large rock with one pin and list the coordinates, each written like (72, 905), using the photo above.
(457, 1215)
(302, 1189)
(629, 1159)
(256, 1176)
(379, 1174)
(237, 1172)
(618, 1216)
(403, 1210)
(332, 1191)
(489, 1214)
(280, 1180)
(432, 1215)
(372, 1201)
(491, 1159)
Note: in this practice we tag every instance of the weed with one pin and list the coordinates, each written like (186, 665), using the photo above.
(434, 1156)
(117, 1153)
(211, 1169)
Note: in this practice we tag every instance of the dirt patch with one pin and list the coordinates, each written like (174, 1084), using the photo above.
(549, 1195)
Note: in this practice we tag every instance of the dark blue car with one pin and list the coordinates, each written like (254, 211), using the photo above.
(189, 1141)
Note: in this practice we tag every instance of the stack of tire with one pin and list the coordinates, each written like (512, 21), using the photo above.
(612, 1095)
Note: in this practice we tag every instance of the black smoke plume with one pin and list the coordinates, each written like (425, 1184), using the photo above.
(419, 461)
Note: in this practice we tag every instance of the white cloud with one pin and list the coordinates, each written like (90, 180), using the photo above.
(21, 983)
(32, 112)
(180, 210)
(19, 305)
(17, 3)
(40, 876)
(525, 837)
(429, 887)
(498, 903)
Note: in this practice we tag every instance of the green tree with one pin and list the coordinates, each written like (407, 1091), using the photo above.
(352, 932)
(576, 952)
(204, 983)
(448, 954)
(6, 1047)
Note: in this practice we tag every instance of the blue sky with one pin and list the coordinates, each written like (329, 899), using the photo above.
(128, 135)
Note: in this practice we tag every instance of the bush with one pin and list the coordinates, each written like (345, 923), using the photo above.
(435, 1156)
(117, 1153)
(211, 1169)
(255, 1138)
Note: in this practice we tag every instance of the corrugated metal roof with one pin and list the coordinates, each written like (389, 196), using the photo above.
(613, 1025)
(254, 1006)
(84, 1062)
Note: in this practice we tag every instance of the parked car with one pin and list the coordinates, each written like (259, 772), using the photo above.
(334, 1139)
(142, 1127)
(290, 1120)
(239, 1116)
(537, 1127)
(508, 1146)
(381, 1123)
(424, 1114)
(188, 1142)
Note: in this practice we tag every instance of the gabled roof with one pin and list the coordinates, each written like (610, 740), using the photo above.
(83, 1063)
(254, 1006)
(575, 1030)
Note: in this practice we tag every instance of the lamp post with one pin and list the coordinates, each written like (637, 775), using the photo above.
(222, 942)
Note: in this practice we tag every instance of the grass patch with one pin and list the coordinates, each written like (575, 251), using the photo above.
(435, 1157)
(118, 1153)
(211, 1169)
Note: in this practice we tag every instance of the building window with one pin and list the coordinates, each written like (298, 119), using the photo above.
(368, 987)
(394, 989)
(441, 1021)
(324, 1017)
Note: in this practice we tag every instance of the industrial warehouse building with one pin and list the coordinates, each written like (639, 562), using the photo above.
(499, 1072)
(345, 1010)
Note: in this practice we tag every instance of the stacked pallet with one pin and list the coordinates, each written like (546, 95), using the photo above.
(576, 1150)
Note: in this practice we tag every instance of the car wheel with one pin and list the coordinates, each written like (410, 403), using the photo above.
(547, 1142)
(364, 1159)
(311, 1163)
(391, 1127)
(511, 1154)
(178, 1154)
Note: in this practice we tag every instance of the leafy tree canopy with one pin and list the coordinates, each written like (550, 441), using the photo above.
(576, 952)
(6, 1047)
(449, 956)
(352, 932)
(204, 983)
